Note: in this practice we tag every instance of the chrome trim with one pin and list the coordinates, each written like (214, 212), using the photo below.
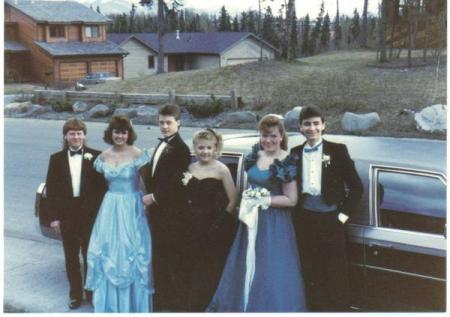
(437, 279)
(374, 170)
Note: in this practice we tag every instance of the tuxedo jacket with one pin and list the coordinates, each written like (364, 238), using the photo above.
(340, 182)
(165, 183)
(59, 187)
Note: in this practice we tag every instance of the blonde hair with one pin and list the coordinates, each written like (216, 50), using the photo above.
(274, 120)
(209, 134)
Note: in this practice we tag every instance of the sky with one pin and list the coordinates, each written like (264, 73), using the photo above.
(302, 6)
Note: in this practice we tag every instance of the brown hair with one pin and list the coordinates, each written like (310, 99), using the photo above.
(310, 112)
(209, 135)
(120, 123)
(75, 124)
(170, 110)
(274, 120)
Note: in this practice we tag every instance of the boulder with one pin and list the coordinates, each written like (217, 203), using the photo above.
(234, 119)
(18, 107)
(432, 118)
(80, 106)
(16, 98)
(359, 122)
(99, 110)
(129, 112)
(291, 118)
(38, 110)
(147, 115)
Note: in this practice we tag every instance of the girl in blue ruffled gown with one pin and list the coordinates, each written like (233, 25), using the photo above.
(276, 284)
(119, 253)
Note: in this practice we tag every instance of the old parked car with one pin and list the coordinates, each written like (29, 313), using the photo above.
(397, 237)
(97, 78)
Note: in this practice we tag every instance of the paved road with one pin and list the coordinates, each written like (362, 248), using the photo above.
(34, 273)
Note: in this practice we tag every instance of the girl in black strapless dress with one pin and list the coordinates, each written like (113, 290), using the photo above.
(212, 197)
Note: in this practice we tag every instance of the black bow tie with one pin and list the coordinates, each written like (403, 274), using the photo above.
(72, 153)
(166, 139)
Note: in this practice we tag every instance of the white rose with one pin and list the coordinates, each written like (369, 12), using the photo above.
(88, 156)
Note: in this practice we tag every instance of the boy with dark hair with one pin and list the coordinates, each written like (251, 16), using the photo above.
(167, 206)
(329, 187)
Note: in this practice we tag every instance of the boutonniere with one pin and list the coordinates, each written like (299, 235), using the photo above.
(186, 178)
(88, 156)
(326, 160)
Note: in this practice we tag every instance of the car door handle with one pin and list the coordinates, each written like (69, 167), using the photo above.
(380, 245)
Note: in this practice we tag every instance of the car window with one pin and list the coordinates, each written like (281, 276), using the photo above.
(411, 202)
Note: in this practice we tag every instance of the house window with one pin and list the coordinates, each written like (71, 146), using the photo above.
(151, 62)
(57, 31)
(92, 31)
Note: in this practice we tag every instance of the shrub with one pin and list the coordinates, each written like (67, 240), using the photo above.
(208, 109)
(61, 105)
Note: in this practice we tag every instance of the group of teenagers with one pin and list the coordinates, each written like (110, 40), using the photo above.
(161, 232)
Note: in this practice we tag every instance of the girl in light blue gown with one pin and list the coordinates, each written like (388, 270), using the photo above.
(119, 254)
(276, 284)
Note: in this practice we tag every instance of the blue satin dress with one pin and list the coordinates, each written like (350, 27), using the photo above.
(119, 254)
(277, 283)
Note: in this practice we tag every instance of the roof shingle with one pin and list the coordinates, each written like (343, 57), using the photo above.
(58, 11)
(81, 48)
(200, 42)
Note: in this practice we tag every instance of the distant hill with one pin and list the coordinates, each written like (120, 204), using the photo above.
(113, 6)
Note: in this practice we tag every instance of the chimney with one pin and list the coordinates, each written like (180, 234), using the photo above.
(178, 35)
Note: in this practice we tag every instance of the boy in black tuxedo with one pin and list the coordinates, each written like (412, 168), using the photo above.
(329, 187)
(167, 207)
(74, 192)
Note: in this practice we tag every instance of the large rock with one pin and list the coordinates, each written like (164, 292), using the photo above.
(18, 107)
(234, 119)
(129, 112)
(147, 115)
(99, 110)
(17, 98)
(291, 118)
(432, 118)
(80, 106)
(38, 110)
(359, 122)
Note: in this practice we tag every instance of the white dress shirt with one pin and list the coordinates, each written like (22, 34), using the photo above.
(312, 170)
(75, 163)
(158, 152)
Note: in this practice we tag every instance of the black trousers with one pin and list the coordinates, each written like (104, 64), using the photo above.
(75, 232)
(170, 260)
(321, 241)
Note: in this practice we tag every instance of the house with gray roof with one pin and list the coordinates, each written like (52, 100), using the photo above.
(58, 41)
(186, 51)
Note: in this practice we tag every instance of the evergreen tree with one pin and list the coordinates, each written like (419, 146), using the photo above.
(355, 27)
(224, 20)
(235, 24)
(131, 23)
(268, 28)
(294, 36)
(325, 32)
(305, 36)
(244, 21)
(98, 9)
(182, 22)
(316, 31)
(337, 28)
(251, 21)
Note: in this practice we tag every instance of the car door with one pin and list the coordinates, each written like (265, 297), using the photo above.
(405, 246)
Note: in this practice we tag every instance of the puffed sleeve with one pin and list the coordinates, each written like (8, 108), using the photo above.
(284, 171)
(144, 158)
(251, 157)
(98, 164)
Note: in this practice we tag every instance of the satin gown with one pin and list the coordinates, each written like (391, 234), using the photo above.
(211, 232)
(119, 254)
(277, 283)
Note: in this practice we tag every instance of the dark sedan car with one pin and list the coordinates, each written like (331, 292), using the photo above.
(397, 237)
